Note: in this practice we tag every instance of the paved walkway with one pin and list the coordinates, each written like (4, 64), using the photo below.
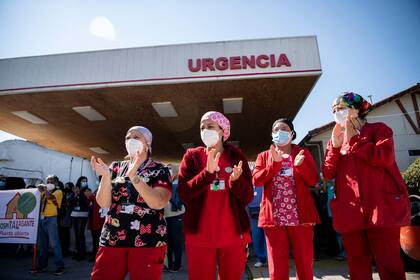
(326, 269)
(16, 268)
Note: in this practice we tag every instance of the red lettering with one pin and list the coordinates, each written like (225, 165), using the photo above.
(191, 66)
(235, 62)
(238, 62)
(208, 63)
(260, 62)
(248, 62)
(283, 60)
(272, 60)
(221, 63)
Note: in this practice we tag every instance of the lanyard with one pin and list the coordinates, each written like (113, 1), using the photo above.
(124, 169)
(143, 166)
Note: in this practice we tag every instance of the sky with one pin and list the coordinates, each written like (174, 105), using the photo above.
(368, 47)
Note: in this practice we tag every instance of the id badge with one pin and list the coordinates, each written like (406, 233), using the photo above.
(287, 172)
(127, 208)
(222, 184)
(217, 185)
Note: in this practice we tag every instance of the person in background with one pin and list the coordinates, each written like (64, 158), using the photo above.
(319, 233)
(82, 182)
(288, 213)
(65, 219)
(371, 199)
(95, 223)
(215, 186)
(328, 188)
(258, 234)
(79, 205)
(51, 197)
(14, 183)
(60, 185)
(2, 182)
(174, 213)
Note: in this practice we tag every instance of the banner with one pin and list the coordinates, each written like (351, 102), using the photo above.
(19, 215)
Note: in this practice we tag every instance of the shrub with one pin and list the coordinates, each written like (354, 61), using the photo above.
(412, 176)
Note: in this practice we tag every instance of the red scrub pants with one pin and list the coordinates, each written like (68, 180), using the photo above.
(278, 242)
(141, 263)
(202, 262)
(383, 244)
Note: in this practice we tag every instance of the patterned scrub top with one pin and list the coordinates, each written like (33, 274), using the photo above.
(130, 222)
(284, 196)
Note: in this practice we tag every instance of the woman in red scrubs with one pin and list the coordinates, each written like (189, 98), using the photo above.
(371, 200)
(214, 182)
(288, 213)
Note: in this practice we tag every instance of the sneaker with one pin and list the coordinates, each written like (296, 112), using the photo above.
(37, 270)
(259, 264)
(59, 271)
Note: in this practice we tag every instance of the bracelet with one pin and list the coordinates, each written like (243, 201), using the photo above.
(139, 178)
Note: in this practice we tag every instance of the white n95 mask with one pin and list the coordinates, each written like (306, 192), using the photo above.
(133, 145)
(50, 187)
(341, 116)
(209, 137)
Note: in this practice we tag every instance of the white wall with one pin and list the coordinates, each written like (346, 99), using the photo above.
(404, 136)
(23, 155)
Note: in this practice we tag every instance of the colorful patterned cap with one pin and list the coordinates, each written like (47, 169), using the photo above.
(353, 100)
(221, 120)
